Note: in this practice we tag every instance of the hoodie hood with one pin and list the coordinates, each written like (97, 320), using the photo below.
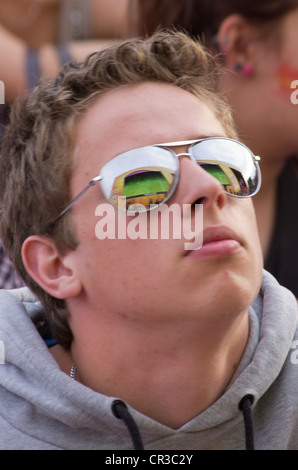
(43, 408)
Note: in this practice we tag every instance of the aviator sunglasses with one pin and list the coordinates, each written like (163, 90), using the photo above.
(144, 178)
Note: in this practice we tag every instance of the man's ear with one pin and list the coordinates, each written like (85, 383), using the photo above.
(56, 274)
(237, 40)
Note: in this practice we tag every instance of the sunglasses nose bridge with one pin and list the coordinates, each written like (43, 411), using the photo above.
(183, 154)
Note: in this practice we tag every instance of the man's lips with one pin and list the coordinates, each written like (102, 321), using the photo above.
(221, 232)
(218, 241)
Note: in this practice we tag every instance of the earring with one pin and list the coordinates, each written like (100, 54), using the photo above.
(238, 66)
(246, 69)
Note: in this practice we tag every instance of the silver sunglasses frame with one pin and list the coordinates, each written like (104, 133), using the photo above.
(166, 145)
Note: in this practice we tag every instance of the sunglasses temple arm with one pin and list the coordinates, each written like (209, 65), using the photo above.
(91, 183)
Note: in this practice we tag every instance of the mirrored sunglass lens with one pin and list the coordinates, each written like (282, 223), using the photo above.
(231, 179)
(231, 163)
(141, 188)
(139, 179)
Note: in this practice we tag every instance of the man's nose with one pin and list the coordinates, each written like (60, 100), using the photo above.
(196, 185)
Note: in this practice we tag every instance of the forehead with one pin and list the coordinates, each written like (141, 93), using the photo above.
(140, 115)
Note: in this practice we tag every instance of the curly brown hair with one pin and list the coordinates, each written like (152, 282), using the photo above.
(36, 154)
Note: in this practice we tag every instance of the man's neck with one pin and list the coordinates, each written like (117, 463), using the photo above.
(169, 378)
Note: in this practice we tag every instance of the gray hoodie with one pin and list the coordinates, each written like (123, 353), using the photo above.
(43, 408)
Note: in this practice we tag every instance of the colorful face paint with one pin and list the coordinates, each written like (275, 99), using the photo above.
(286, 74)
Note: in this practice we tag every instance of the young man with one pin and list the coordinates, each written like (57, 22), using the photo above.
(184, 338)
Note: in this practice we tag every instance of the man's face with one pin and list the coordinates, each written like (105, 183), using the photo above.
(157, 280)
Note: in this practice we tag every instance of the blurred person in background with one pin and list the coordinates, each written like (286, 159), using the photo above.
(37, 36)
(255, 42)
